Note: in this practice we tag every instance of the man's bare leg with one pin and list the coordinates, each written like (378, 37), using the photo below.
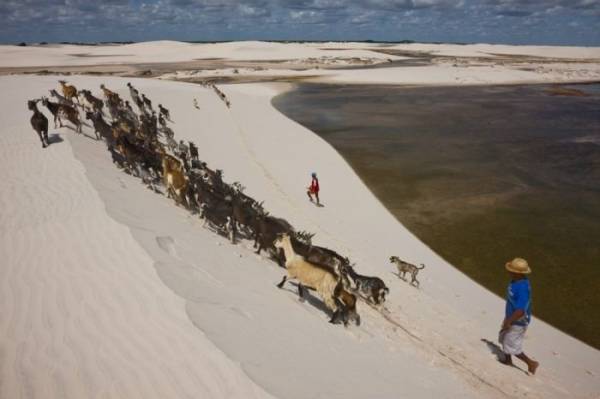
(506, 360)
(532, 365)
(309, 196)
(317, 197)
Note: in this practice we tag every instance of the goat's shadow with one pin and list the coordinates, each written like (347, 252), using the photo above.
(496, 350)
(83, 133)
(309, 298)
(54, 138)
(397, 274)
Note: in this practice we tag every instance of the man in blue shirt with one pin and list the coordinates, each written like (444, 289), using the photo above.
(517, 314)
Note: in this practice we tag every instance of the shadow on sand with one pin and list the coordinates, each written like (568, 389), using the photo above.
(496, 350)
(54, 138)
(311, 299)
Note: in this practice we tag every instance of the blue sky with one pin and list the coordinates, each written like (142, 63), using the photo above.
(564, 22)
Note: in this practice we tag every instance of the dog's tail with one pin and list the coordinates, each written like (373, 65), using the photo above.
(422, 267)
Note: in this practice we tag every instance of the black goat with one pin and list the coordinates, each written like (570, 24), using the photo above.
(96, 103)
(164, 111)
(101, 128)
(39, 122)
(267, 229)
(147, 102)
(60, 109)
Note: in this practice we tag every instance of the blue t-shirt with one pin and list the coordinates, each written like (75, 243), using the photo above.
(519, 297)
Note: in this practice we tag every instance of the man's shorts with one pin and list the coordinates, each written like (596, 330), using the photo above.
(512, 339)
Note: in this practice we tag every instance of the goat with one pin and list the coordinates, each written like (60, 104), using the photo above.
(95, 103)
(112, 99)
(70, 92)
(193, 151)
(244, 212)
(319, 255)
(266, 230)
(60, 109)
(405, 267)
(140, 104)
(174, 178)
(133, 153)
(39, 122)
(147, 102)
(162, 121)
(164, 111)
(54, 110)
(135, 95)
(215, 209)
(117, 158)
(101, 128)
(171, 143)
(347, 301)
(373, 288)
(61, 100)
(321, 279)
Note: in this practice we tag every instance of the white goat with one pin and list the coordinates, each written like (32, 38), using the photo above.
(319, 278)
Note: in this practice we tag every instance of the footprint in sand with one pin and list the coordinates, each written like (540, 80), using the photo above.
(167, 244)
(241, 312)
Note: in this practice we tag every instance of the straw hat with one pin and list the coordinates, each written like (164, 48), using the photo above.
(518, 265)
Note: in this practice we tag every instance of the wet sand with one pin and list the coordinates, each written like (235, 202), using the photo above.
(481, 175)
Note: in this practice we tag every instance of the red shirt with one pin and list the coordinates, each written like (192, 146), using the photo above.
(314, 185)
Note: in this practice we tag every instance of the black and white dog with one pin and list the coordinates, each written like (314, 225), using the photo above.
(372, 288)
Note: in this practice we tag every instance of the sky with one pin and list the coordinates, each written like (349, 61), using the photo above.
(552, 22)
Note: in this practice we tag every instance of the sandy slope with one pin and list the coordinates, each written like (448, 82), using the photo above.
(84, 314)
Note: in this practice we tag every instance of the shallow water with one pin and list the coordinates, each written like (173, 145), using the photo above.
(481, 175)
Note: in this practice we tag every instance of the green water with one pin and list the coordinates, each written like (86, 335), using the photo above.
(481, 175)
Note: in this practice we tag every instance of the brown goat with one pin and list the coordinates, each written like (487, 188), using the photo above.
(69, 91)
(175, 180)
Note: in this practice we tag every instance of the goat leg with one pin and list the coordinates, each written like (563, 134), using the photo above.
(300, 292)
(343, 309)
(336, 317)
(375, 295)
(41, 138)
(280, 285)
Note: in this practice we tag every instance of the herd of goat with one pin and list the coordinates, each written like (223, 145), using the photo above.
(143, 144)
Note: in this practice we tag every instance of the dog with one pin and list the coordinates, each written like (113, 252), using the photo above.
(405, 267)
(372, 288)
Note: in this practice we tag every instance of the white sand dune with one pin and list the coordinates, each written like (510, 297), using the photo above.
(474, 50)
(168, 51)
(486, 50)
(172, 51)
(110, 290)
(83, 313)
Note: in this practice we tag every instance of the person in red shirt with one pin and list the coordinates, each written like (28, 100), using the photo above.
(314, 189)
